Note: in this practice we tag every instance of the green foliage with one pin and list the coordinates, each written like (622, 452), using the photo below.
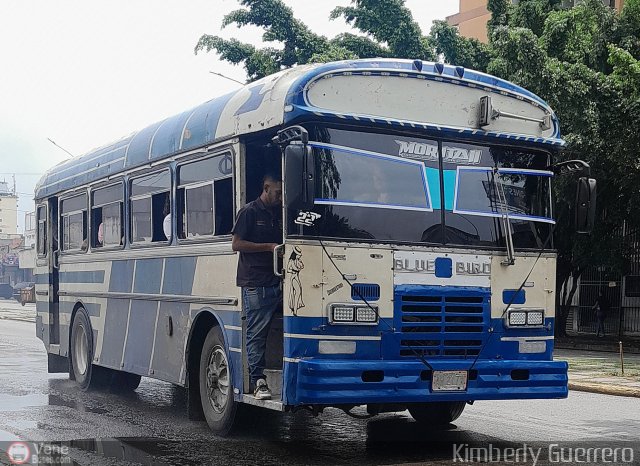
(462, 51)
(500, 12)
(390, 22)
(532, 14)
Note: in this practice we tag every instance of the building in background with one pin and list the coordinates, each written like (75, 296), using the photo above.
(472, 18)
(8, 210)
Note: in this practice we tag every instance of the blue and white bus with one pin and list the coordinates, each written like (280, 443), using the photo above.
(417, 260)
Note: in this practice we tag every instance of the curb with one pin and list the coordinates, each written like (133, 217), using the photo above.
(604, 389)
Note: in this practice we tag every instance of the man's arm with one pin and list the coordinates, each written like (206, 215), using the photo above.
(242, 245)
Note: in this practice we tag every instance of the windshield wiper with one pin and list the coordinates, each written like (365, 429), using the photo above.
(506, 222)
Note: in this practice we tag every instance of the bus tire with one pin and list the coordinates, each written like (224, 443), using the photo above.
(86, 374)
(439, 414)
(216, 384)
(124, 382)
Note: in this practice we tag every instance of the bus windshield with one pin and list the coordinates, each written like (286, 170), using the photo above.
(391, 188)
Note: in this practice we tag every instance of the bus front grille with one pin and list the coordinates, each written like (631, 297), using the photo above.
(443, 324)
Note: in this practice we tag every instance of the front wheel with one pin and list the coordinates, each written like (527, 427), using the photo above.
(438, 414)
(216, 388)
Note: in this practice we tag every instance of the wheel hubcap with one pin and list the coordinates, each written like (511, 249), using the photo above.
(81, 350)
(218, 379)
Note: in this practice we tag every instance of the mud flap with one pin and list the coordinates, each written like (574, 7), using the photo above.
(57, 364)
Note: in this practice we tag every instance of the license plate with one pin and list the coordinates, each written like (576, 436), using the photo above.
(449, 381)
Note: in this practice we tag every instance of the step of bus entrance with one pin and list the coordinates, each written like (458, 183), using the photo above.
(274, 380)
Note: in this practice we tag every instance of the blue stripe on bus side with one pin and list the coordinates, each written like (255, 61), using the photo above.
(168, 352)
(178, 275)
(148, 276)
(43, 278)
(115, 328)
(140, 339)
(121, 276)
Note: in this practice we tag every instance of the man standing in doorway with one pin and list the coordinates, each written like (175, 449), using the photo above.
(258, 230)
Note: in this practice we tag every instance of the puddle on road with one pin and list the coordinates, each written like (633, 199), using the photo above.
(136, 450)
(55, 400)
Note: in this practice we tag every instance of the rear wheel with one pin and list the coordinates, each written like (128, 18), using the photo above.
(216, 387)
(437, 413)
(85, 373)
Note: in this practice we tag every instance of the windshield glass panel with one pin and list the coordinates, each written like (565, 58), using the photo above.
(490, 192)
(389, 187)
(373, 179)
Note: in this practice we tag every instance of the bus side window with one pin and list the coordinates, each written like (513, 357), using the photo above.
(42, 230)
(150, 205)
(107, 228)
(205, 197)
(73, 218)
(223, 194)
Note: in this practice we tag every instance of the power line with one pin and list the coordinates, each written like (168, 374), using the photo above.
(59, 147)
(227, 77)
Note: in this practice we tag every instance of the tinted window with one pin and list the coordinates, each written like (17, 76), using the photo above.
(199, 211)
(151, 208)
(205, 197)
(157, 182)
(74, 223)
(106, 217)
(42, 230)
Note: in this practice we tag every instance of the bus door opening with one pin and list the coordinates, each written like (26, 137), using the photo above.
(261, 158)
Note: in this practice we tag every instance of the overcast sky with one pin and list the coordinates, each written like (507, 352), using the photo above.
(85, 73)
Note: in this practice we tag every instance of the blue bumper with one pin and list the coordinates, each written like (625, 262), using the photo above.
(336, 382)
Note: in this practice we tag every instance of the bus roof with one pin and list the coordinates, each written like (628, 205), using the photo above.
(403, 93)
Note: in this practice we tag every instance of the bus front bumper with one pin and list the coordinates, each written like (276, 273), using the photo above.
(339, 382)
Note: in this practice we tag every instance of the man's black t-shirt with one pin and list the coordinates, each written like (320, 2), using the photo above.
(258, 224)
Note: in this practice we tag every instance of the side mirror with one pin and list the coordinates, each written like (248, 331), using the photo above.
(585, 205)
(299, 176)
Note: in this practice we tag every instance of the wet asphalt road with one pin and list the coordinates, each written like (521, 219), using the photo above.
(150, 426)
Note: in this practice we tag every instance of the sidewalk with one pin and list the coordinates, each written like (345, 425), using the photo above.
(599, 372)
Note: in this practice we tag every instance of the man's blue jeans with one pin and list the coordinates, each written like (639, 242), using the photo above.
(259, 304)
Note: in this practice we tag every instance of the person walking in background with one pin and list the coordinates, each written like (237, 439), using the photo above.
(602, 309)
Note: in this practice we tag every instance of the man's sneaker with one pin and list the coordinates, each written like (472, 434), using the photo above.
(262, 391)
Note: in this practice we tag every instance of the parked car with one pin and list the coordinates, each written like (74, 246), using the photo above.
(18, 287)
(6, 291)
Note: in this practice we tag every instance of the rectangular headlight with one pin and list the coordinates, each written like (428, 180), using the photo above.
(342, 314)
(535, 318)
(517, 318)
(366, 314)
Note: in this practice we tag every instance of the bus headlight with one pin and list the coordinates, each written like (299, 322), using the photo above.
(353, 314)
(366, 314)
(525, 318)
(342, 314)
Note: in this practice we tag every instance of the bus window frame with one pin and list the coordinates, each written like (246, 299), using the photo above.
(92, 190)
(44, 220)
(213, 237)
(130, 199)
(61, 215)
